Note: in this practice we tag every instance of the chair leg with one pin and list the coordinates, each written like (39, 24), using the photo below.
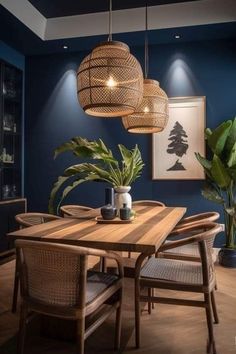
(137, 313)
(15, 289)
(80, 335)
(118, 323)
(153, 304)
(22, 329)
(211, 342)
(149, 301)
(214, 308)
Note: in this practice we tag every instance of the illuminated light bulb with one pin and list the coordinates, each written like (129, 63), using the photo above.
(146, 110)
(111, 82)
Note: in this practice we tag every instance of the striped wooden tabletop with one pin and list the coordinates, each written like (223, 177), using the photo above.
(146, 233)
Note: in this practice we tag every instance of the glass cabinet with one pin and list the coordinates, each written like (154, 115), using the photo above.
(10, 140)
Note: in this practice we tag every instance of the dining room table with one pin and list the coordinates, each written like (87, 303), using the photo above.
(144, 234)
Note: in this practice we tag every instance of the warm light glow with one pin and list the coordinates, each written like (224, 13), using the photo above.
(146, 110)
(111, 82)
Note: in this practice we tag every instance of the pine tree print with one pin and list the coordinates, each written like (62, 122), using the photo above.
(178, 145)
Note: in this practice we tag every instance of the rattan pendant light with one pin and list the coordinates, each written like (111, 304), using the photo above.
(110, 79)
(152, 114)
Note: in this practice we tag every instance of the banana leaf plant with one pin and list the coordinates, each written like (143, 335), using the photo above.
(105, 168)
(220, 172)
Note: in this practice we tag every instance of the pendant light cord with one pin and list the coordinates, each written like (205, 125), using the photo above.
(146, 44)
(110, 21)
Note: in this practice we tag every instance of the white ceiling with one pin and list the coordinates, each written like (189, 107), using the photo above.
(194, 13)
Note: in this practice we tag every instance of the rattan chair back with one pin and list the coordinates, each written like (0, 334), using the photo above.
(199, 218)
(52, 273)
(30, 219)
(204, 235)
(73, 210)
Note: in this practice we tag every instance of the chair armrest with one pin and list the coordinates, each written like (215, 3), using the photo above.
(204, 229)
(180, 230)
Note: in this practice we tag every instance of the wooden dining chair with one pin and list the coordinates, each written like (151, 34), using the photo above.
(55, 281)
(177, 275)
(188, 252)
(74, 210)
(26, 220)
(30, 219)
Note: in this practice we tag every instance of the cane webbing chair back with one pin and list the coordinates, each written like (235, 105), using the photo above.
(51, 275)
(30, 219)
(74, 210)
(182, 230)
(210, 216)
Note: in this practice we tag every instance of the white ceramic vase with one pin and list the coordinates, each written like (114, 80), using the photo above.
(122, 196)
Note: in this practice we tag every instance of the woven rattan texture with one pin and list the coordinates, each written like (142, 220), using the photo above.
(173, 270)
(74, 210)
(153, 112)
(30, 219)
(52, 276)
(110, 61)
(190, 250)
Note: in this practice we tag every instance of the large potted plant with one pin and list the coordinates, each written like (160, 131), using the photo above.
(220, 183)
(106, 168)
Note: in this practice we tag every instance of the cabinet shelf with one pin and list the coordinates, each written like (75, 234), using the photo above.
(11, 133)
(11, 80)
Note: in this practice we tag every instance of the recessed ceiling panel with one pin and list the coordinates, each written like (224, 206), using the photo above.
(61, 8)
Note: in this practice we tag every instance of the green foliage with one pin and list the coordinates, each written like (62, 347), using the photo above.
(105, 168)
(220, 184)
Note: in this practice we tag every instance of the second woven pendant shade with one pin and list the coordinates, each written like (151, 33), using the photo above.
(152, 114)
(110, 81)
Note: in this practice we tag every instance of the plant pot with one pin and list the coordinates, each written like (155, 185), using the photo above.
(122, 197)
(227, 257)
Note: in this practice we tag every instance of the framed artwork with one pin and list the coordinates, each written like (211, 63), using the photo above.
(173, 149)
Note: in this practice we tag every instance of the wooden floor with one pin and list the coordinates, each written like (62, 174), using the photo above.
(168, 330)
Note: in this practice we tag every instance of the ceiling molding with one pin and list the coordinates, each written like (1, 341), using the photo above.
(130, 20)
(28, 15)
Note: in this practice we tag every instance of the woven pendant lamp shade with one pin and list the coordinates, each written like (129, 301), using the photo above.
(152, 114)
(110, 81)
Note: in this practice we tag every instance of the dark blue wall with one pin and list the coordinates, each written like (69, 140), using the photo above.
(12, 56)
(53, 116)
